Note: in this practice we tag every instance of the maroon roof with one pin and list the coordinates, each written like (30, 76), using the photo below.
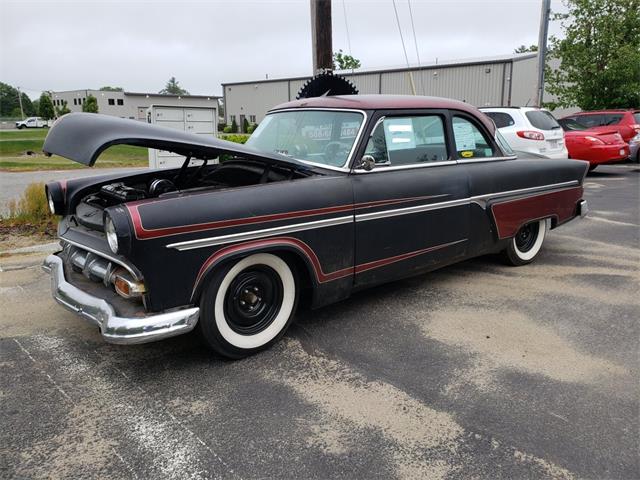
(387, 102)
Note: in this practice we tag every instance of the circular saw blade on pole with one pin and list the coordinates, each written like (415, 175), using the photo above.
(326, 84)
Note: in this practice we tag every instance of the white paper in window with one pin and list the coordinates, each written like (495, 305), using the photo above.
(399, 133)
(464, 135)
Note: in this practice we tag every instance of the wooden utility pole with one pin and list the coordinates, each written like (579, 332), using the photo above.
(321, 35)
(542, 49)
(20, 102)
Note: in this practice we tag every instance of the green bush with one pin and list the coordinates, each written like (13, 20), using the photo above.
(236, 138)
(234, 126)
(252, 128)
(221, 126)
(227, 129)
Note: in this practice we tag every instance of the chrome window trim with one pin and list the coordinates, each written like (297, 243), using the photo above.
(486, 159)
(103, 255)
(356, 141)
(262, 233)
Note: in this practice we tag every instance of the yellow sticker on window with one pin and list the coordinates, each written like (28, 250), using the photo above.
(467, 154)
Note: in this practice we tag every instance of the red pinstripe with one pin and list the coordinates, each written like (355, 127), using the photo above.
(144, 234)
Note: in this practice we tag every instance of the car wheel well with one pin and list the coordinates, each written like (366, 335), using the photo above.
(293, 258)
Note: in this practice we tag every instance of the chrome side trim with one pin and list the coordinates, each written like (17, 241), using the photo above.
(103, 255)
(356, 141)
(116, 329)
(255, 234)
(480, 200)
(409, 210)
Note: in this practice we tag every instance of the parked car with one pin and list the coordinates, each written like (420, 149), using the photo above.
(32, 122)
(529, 129)
(330, 195)
(596, 147)
(625, 122)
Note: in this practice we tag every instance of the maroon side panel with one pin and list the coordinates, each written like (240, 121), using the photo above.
(512, 214)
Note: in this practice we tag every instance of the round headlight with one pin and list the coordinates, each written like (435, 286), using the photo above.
(52, 207)
(112, 237)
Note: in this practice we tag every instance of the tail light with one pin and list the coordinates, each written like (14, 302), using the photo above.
(530, 135)
(594, 140)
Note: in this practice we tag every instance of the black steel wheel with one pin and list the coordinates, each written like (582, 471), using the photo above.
(247, 305)
(526, 244)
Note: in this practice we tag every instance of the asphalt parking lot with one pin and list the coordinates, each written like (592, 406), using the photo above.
(475, 371)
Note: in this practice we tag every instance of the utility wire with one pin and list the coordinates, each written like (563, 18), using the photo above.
(404, 49)
(415, 41)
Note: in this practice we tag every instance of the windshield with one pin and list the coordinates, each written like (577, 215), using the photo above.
(542, 119)
(571, 125)
(319, 136)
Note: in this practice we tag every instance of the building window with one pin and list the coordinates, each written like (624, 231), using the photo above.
(75, 101)
(111, 101)
(252, 118)
(232, 118)
(120, 101)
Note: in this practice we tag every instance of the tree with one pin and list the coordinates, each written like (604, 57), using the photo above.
(599, 55)
(107, 88)
(234, 126)
(524, 49)
(342, 61)
(9, 102)
(45, 107)
(63, 109)
(90, 105)
(173, 88)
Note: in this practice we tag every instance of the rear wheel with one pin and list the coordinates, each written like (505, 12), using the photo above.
(526, 244)
(248, 305)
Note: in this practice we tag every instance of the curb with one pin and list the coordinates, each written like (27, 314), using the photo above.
(42, 248)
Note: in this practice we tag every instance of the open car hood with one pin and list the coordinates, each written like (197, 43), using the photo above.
(82, 137)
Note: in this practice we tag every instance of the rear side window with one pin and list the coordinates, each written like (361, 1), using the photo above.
(470, 141)
(501, 119)
(611, 119)
(636, 116)
(542, 119)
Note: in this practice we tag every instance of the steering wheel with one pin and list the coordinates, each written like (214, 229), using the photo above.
(331, 151)
(300, 151)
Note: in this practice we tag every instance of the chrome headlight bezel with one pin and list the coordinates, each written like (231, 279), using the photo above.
(52, 205)
(110, 232)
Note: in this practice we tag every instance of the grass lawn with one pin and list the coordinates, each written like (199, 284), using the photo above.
(14, 145)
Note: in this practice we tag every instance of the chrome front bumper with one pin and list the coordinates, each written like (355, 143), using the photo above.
(115, 329)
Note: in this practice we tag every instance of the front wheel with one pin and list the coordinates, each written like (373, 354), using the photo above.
(248, 305)
(526, 244)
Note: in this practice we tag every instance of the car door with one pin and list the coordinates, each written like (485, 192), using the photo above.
(411, 208)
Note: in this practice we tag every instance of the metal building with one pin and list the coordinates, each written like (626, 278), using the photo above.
(131, 105)
(508, 80)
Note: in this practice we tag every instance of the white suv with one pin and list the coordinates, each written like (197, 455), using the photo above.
(530, 130)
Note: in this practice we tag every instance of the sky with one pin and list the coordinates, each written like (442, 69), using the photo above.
(139, 44)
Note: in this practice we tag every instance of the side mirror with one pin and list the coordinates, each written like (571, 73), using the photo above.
(367, 162)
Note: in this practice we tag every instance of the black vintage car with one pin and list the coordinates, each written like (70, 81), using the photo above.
(329, 196)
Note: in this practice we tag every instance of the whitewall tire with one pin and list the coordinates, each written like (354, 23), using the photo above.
(246, 306)
(527, 243)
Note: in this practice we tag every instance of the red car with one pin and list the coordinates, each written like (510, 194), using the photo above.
(596, 146)
(625, 122)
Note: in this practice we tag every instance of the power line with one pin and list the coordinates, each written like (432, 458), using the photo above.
(404, 49)
(415, 41)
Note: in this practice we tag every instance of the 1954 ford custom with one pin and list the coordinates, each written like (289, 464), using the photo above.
(329, 196)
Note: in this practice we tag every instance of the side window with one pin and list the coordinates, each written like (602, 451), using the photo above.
(470, 141)
(400, 141)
